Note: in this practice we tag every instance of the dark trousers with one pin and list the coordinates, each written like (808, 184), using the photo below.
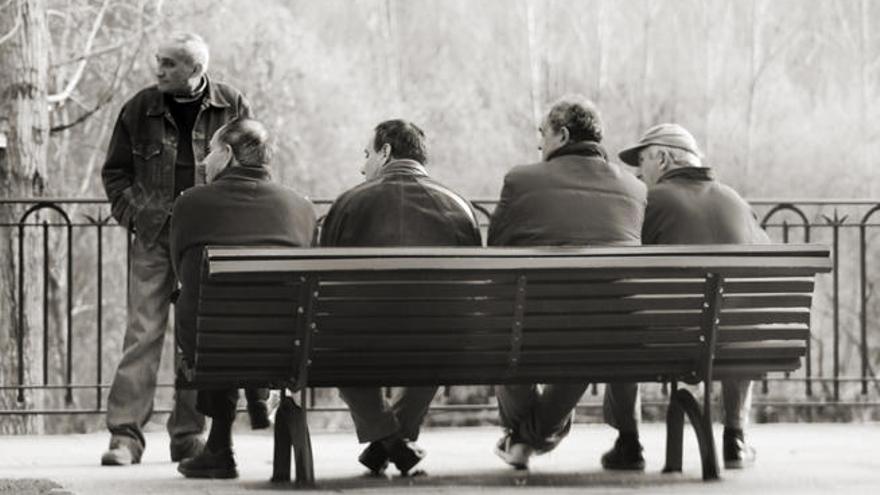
(222, 403)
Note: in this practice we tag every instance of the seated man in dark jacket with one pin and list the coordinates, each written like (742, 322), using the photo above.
(240, 205)
(398, 205)
(686, 205)
(574, 197)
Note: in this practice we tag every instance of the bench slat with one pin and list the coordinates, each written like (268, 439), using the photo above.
(248, 340)
(210, 291)
(242, 323)
(247, 308)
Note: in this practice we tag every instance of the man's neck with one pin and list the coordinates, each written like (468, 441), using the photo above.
(194, 94)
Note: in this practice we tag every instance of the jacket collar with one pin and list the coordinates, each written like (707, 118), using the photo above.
(689, 173)
(238, 172)
(212, 98)
(404, 166)
(580, 148)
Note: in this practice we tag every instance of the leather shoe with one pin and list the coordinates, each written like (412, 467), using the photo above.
(405, 454)
(123, 451)
(514, 452)
(737, 453)
(187, 446)
(626, 455)
(207, 464)
(258, 411)
(375, 458)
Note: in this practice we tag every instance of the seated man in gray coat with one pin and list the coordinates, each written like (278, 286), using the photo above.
(398, 205)
(240, 205)
(573, 197)
(686, 205)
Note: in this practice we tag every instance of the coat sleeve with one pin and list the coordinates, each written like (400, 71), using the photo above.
(331, 226)
(117, 175)
(499, 224)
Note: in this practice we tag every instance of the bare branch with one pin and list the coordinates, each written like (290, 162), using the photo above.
(12, 31)
(71, 84)
(97, 52)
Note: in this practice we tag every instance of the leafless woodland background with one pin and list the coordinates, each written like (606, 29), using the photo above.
(780, 93)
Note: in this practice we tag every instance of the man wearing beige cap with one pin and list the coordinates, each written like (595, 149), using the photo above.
(686, 205)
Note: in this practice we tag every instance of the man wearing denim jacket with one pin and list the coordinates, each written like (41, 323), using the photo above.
(158, 143)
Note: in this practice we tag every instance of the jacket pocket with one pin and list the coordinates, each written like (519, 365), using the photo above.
(147, 164)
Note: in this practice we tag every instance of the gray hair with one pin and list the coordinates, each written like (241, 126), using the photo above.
(680, 157)
(577, 114)
(249, 140)
(194, 48)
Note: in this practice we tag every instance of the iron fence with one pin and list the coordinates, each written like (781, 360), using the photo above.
(71, 260)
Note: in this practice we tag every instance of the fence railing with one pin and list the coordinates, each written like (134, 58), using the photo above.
(71, 280)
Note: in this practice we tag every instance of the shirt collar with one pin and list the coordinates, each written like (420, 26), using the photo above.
(403, 166)
(689, 173)
(212, 97)
(239, 172)
(580, 148)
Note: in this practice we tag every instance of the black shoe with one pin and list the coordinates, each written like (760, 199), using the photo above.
(405, 454)
(187, 446)
(737, 453)
(258, 411)
(375, 458)
(217, 465)
(625, 456)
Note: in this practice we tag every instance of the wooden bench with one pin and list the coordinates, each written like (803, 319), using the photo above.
(295, 318)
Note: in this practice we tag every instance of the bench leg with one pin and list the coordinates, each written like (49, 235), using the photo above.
(682, 401)
(674, 435)
(292, 430)
(281, 457)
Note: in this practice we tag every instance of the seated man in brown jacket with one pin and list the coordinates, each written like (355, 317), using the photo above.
(399, 204)
(239, 205)
(686, 205)
(574, 197)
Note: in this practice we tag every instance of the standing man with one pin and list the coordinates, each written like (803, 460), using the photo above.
(574, 197)
(686, 205)
(240, 205)
(398, 205)
(160, 136)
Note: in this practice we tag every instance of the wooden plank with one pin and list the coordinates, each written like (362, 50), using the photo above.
(756, 317)
(761, 334)
(759, 286)
(414, 291)
(372, 342)
(248, 291)
(247, 308)
(248, 340)
(231, 253)
(620, 287)
(252, 323)
(250, 360)
(602, 338)
(653, 319)
(456, 307)
(412, 324)
(611, 304)
(733, 266)
(767, 301)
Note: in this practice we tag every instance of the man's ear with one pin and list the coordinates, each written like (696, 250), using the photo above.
(386, 153)
(665, 159)
(197, 70)
(565, 135)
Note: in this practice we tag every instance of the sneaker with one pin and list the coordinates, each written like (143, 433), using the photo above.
(404, 453)
(737, 453)
(375, 458)
(207, 464)
(186, 446)
(513, 452)
(123, 451)
(626, 455)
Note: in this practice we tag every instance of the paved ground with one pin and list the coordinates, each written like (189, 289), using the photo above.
(793, 458)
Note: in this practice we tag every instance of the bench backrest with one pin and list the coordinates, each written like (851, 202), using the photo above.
(410, 316)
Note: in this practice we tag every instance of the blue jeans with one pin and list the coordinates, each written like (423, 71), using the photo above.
(130, 402)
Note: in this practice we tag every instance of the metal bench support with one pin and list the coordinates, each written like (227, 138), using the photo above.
(292, 430)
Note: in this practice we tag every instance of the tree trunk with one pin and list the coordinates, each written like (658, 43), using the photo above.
(24, 69)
